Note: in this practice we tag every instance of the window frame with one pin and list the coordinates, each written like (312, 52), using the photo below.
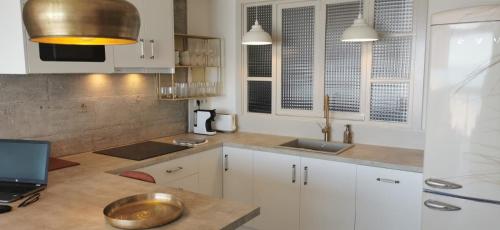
(417, 73)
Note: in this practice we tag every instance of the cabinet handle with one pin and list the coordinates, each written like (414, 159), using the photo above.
(306, 170)
(152, 48)
(174, 170)
(390, 181)
(441, 206)
(226, 164)
(294, 173)
(441, 184)
(141, 43)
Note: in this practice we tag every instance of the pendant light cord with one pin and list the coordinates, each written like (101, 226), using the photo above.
(257, 14)
(360, 9)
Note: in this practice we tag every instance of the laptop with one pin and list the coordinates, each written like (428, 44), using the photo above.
(23, 168)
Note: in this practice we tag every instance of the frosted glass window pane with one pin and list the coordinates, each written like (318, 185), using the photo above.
(297, 57)
(394, 16)
(392, 58)
(259, 96)
(389, 102)
(260, 58)
(342, 59)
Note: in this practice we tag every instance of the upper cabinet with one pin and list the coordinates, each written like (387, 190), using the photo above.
(154, 53)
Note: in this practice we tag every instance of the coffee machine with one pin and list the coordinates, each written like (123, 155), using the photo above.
(203, 121)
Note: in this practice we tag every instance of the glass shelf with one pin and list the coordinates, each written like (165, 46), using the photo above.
(201, 78)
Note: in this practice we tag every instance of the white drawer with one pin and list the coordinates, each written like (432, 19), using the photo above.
(173, 170)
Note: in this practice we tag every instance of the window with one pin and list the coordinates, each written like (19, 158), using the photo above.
(260, 62)
(392, 61)
(371, 82)
(342, 59)
(297, 57)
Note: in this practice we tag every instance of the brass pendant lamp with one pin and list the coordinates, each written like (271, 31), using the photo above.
(82, 22)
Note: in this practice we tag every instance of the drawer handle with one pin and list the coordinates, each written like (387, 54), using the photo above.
(174, 170)
(226, 165)
(306, 175)
(390, 181)
(441, 184)
(294, 173)
(152, 42)
(141, 42)
(441, 206)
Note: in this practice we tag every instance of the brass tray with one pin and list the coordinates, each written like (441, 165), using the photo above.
(144, 211)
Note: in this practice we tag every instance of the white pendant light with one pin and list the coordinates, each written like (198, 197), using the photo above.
(257, 35)
(360, 31)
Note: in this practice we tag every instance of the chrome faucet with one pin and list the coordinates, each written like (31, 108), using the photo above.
(327, 130)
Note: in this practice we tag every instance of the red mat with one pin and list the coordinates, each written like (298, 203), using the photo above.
(55, 164)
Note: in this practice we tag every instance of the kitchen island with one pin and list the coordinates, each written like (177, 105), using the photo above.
(76, 197)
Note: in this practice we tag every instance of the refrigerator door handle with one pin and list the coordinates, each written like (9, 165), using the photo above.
(441, 184)
(441, 206)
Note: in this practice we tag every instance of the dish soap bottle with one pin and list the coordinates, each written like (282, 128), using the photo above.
(347, 134)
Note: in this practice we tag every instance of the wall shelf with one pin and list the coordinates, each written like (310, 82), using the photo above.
(201, 77)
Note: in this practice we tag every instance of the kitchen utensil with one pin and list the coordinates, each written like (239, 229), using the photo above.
(190, 141)
(225, 122)
(144, 211)
(177, 57)
(136, 175)
(56, 164)
(185, 58)
(203, 122)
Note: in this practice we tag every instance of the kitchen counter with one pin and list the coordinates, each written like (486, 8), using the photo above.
(410, 160)
(76, 196)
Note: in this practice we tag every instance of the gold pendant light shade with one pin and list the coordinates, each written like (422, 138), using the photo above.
(82, 22)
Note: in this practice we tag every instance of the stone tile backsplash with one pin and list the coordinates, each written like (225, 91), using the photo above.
(86, 112)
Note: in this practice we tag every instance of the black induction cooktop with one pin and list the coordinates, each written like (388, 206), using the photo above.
(142, 151)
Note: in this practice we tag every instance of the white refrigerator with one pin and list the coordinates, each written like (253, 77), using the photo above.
(462, 153)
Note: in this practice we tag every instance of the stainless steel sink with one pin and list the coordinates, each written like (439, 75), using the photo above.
(318, 145)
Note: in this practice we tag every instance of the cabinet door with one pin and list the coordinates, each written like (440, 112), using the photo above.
(190, 183)
(238, 175)
(160, 51)
(276, 191)
(210, 176)
(134, 55)
(328, 195)
(388, 199)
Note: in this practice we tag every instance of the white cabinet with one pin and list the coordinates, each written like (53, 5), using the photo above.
(199, 173)
(276, 191)
(238, 175)
(328, 195)
(388, 199)
(155, 50)
(312, 194)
